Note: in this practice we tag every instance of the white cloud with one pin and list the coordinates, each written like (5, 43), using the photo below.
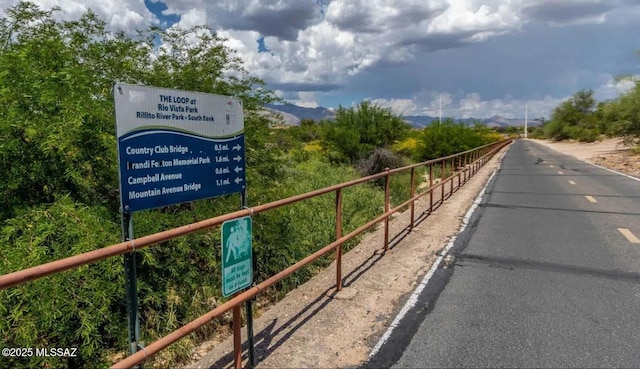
(305, 99)
(323, 54)
(191, 18)
(397, 106)
(310, 52)
(356, 35)
(472, 105)
(119, 15)
(614, 87)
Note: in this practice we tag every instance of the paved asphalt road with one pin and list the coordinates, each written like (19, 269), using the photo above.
(543, 277)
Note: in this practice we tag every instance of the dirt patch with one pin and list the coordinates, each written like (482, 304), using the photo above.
(611, 153)
(315, 326)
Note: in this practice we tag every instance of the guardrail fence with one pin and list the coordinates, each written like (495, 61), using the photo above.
(459, 167)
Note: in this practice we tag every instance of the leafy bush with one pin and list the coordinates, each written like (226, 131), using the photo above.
(377, 161)
(358, 130)
(82, 308)
(580, 118)
(446, 138)
(60, 187)
(297, 230)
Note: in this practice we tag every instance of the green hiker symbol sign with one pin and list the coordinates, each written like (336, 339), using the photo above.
(237, 255)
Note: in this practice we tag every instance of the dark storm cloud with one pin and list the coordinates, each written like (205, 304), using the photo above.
(323, 87)
(269, 18)
(536, 62)
(566, 11)
(362, 16)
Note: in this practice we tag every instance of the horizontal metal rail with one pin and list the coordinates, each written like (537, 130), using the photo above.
(473, 160)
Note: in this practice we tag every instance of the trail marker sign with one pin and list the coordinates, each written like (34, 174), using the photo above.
(237, 255)
(176, 146)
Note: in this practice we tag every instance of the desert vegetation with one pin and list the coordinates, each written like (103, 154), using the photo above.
(582, 118)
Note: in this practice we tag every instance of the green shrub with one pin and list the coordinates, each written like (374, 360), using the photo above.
(358, 130)
(442, 139)
(82, 308)
(295, 231)
(589, 135)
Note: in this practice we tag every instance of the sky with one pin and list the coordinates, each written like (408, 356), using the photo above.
(475, 58)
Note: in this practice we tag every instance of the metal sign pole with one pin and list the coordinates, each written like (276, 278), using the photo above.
(131, 286)
(164, 159)
(249, 303)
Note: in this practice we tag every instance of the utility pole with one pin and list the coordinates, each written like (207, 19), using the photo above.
(526, 117)
(440, 116)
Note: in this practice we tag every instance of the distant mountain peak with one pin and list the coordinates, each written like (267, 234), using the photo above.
(318, 113)
(294, 113)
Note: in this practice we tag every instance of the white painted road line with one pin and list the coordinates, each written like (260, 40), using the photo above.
(628, 235)
(611, 170)
(591, 199)
(572, 182)
(551, 166)
(560, 173)
(413, 299)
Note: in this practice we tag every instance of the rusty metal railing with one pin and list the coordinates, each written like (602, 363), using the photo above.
(462, 166)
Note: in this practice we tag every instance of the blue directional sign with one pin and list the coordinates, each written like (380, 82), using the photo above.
(176, 146)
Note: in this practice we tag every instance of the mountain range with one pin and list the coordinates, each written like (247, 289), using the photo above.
(293, 114)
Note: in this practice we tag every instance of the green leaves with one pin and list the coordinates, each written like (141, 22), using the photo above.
(358, 130)
(72, 309)
(446, 138)
(60, 182)
(580, 118)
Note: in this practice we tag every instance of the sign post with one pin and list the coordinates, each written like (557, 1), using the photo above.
(173, 146)
(237, 274)
(249, 303)
(133, 317)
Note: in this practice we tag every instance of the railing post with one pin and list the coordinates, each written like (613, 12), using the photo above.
(413, 193)
(451, 182)
(464, 171)
(442, 182)
(459, 171)
(475, 162)
(430, 188)
(387, 206)
(338, 235)
(472, 163)
(237, 344)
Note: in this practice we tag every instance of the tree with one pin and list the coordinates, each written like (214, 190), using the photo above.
(624, 113)
(449, 137)
(358, 130)
(574, 118)
(60, 181)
